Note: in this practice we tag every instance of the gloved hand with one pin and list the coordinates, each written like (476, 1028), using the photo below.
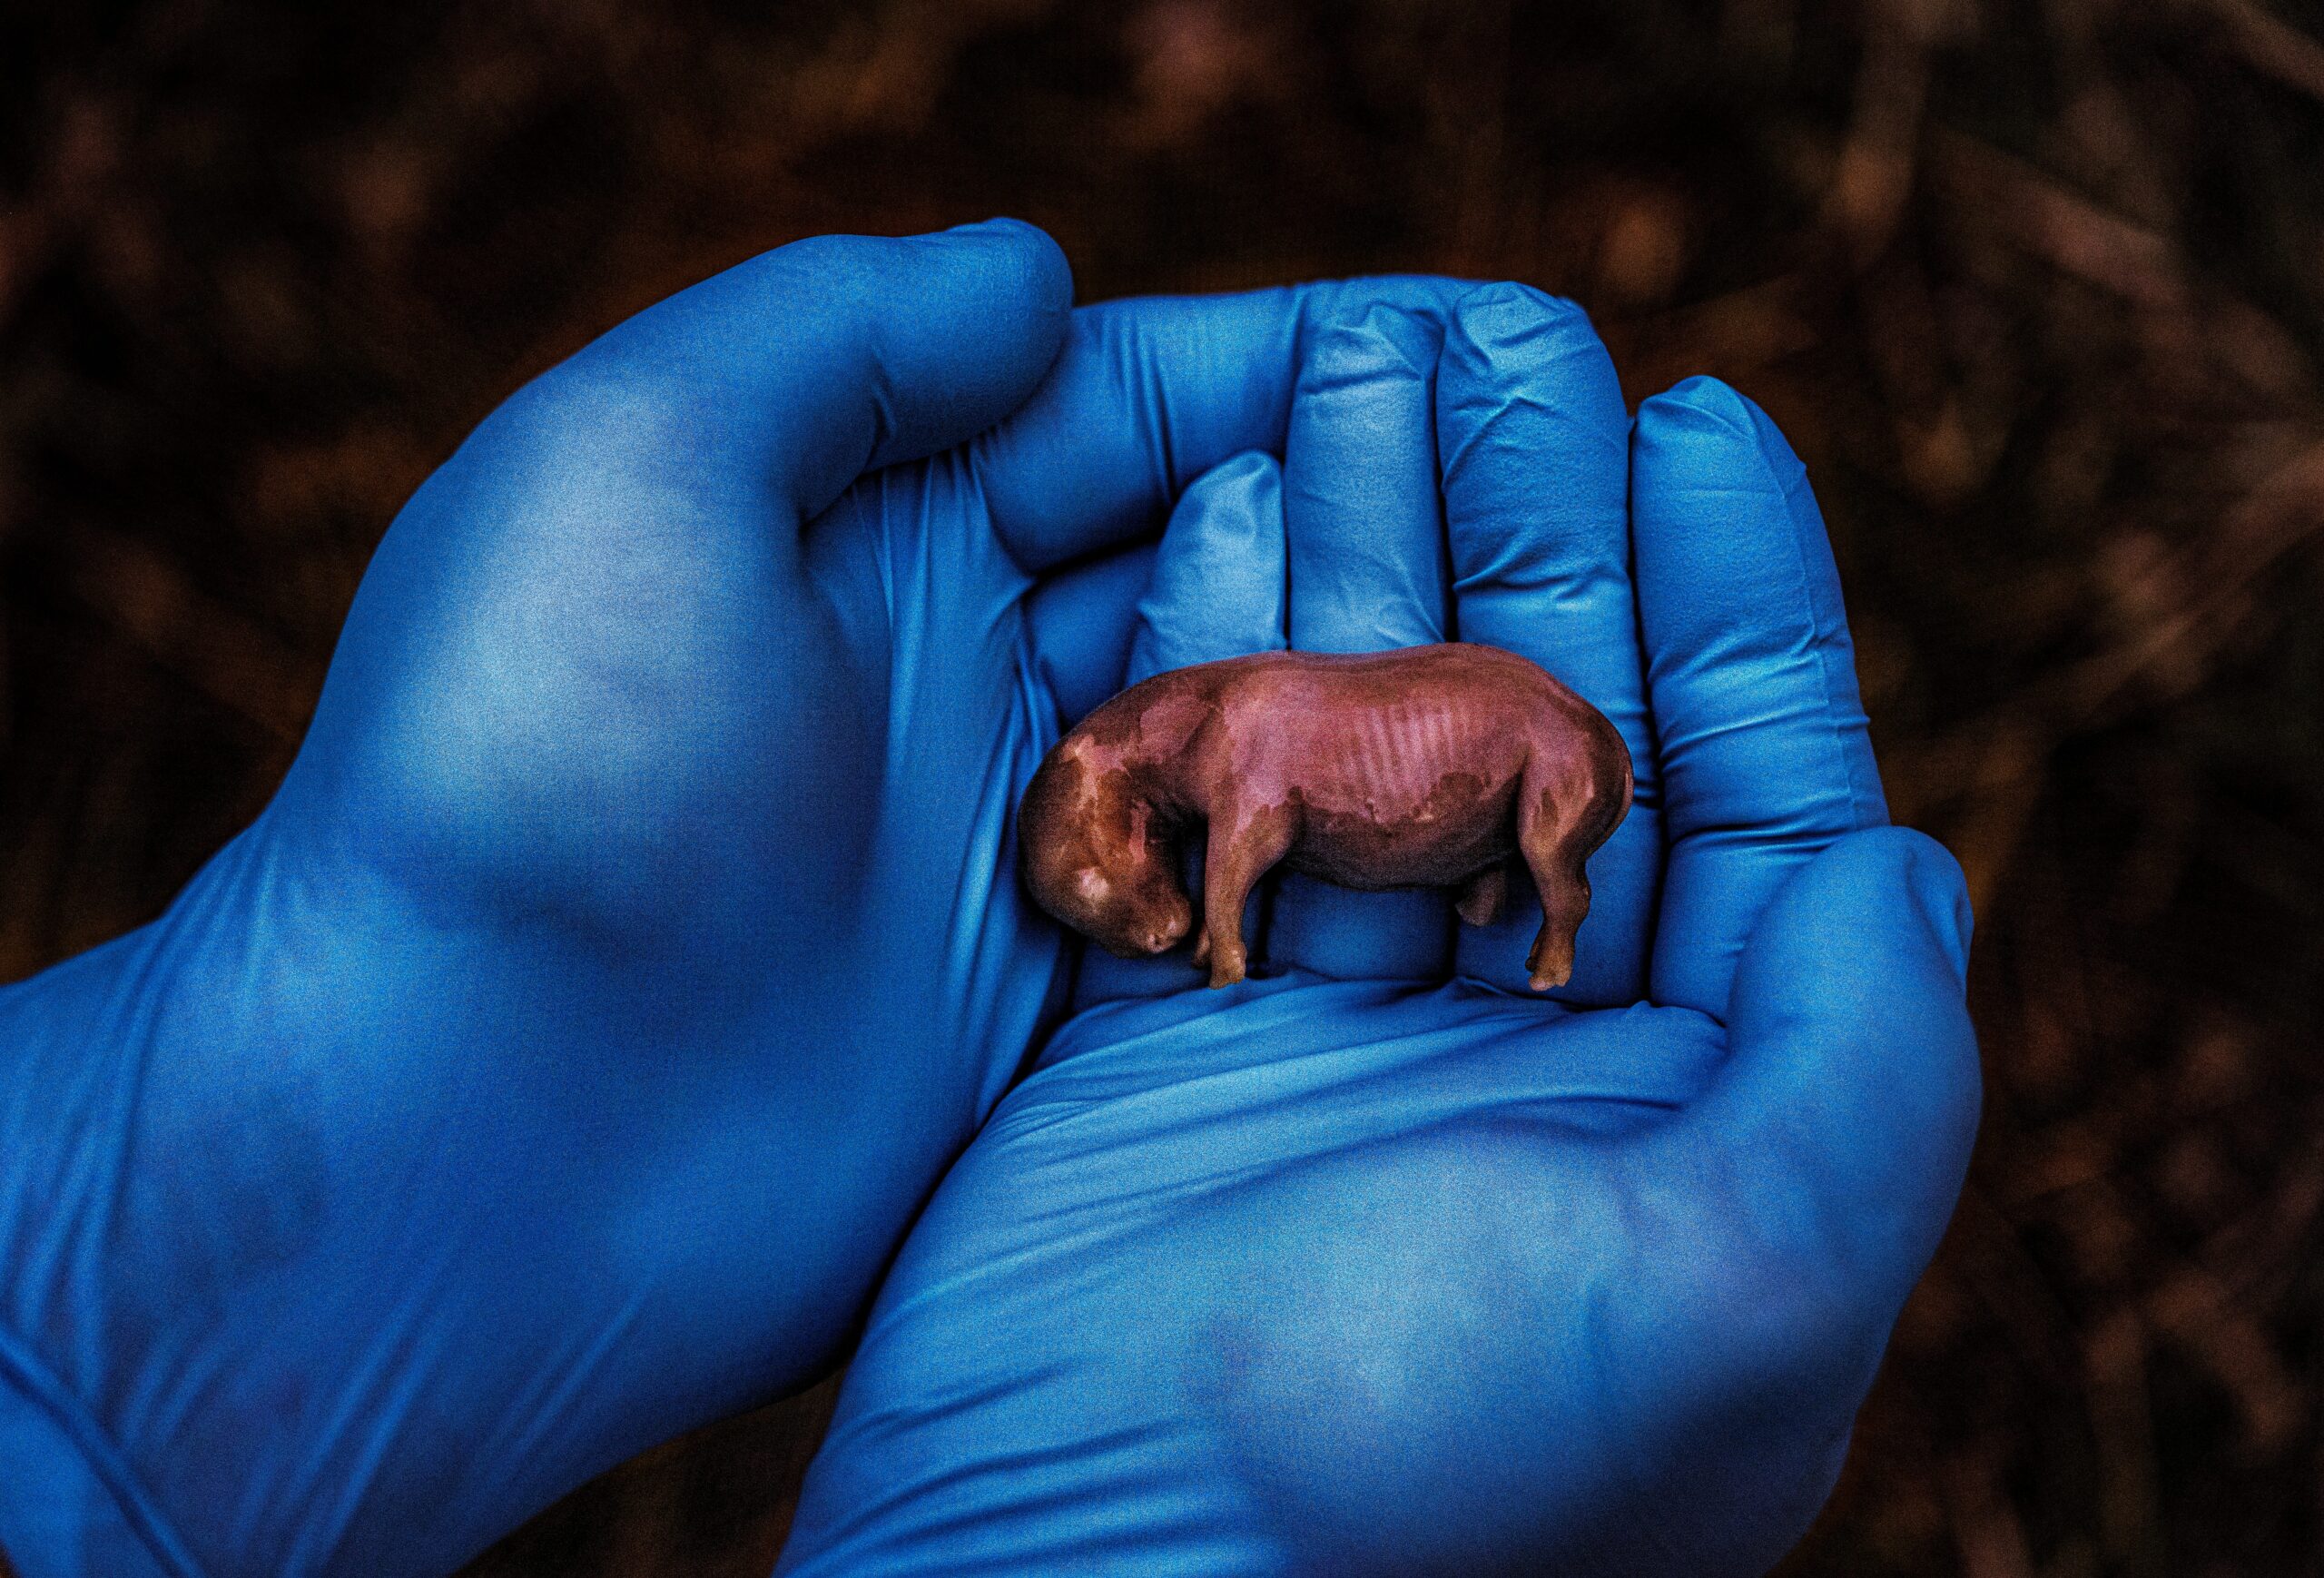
(557, 1061)
(1382, 1264)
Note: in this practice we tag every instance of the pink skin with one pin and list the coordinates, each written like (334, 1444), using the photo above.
(1428, 766)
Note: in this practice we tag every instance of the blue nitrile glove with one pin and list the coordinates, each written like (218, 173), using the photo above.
(559, 1059)
(1383, 1264)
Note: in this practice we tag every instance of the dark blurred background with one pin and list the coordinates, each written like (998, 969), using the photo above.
(2036, 286)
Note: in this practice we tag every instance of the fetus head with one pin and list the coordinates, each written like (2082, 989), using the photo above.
(1096, 857)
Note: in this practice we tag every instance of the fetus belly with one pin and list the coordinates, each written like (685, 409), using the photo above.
(1459, 825)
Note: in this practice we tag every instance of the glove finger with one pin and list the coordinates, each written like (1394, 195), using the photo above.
(1213, 587)
(1081, 623)
(1365, 541)
(1217, 588)
(1764, 753)
(1215, 591)
(1824, 1161)
(1149, 393)
(1534, 442)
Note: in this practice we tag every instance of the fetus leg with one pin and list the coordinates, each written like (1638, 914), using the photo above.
(1551, 807)
(1485, 897)
(1244, 844)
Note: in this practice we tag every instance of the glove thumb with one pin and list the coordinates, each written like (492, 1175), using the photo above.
(837, 355)
(1852, 1082)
